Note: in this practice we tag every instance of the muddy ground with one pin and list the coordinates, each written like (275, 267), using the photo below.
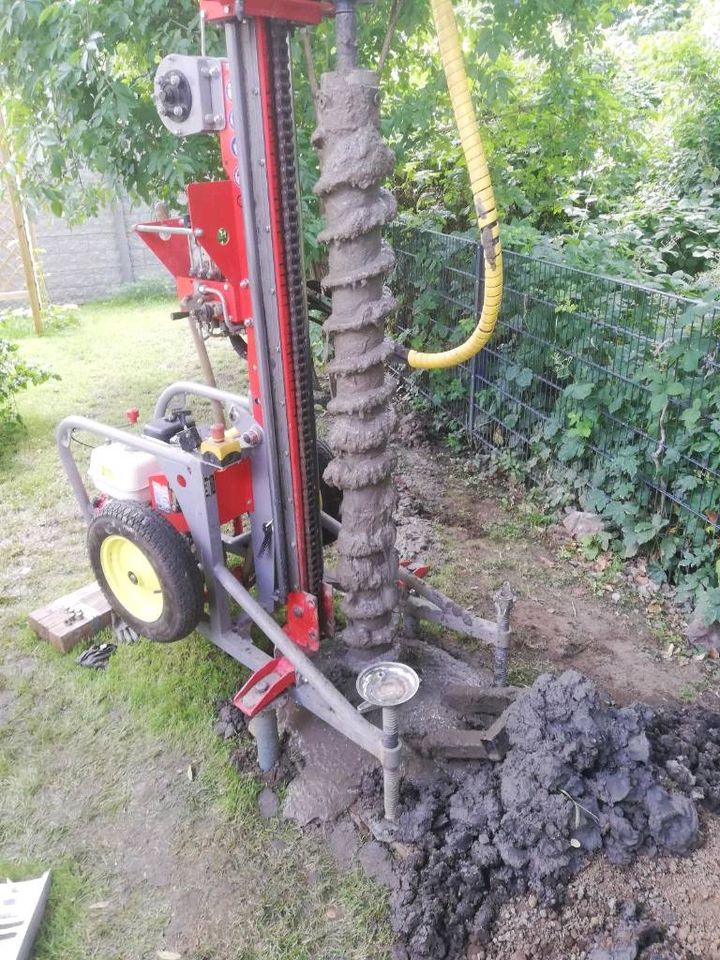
(571, 614)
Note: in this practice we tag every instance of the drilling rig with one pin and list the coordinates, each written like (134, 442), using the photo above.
(219, 527)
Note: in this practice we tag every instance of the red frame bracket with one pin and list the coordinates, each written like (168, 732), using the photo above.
(303, 620)
(295, 11)
(212, 206)
(273, 678)
(171, 249)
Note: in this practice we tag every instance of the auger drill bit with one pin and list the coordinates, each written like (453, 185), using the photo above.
(354, 161)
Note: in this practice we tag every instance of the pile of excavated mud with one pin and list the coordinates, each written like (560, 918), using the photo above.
(581, 776)
(578, 778)
(686, 744)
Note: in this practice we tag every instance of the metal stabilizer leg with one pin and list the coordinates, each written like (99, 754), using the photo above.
(388, 685)
(264, 728)
(391, 774)
(503, 599)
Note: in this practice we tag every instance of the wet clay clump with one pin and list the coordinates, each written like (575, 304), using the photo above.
(686, 744)
(633, 938)
(578, 778)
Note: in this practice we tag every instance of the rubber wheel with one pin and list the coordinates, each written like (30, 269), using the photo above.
(330, 497)
(146, 570)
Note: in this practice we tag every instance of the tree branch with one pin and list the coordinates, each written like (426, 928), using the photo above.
(310, 65)
(392, 25)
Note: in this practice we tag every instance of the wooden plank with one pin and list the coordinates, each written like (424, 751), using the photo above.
(76, 616)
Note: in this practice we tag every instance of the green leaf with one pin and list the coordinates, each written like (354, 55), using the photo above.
(690, 359)
(524, 378)
(579, 391)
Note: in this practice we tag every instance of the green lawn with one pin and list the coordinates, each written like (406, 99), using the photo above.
(94, 767)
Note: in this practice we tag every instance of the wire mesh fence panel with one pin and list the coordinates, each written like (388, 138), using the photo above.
(615, 376)
(435, 278)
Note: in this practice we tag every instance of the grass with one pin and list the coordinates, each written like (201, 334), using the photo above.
(93, 766)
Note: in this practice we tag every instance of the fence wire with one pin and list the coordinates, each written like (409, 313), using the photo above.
(565, 335)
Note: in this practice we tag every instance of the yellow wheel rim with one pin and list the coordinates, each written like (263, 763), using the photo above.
(132, 578)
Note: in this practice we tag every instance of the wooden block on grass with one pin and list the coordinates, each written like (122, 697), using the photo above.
(74, 617)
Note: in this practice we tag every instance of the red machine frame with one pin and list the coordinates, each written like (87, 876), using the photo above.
(215, 216)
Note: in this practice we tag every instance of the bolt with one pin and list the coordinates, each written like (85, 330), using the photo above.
(297, 611)
(177, 111)
(174, 79)
(252, 437)
(391, 777)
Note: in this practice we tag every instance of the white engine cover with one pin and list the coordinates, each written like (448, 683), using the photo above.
(121, 472)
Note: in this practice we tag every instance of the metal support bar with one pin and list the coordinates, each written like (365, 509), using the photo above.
(237, 646)
(162, 228)
(237, 50)
(504, 600)
(337, 710)
(446, 610)
(346, 35)
(391, 775)
(475, 627)
(231, 401)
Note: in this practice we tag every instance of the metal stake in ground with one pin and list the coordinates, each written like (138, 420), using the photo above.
(354, 161)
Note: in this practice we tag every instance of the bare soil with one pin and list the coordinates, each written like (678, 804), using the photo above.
(475, 536)
(566, 617)
(680, 894)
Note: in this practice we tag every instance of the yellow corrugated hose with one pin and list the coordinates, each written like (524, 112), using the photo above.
(459, 87)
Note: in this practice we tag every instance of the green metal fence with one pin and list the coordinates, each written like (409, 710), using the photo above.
(615, 373)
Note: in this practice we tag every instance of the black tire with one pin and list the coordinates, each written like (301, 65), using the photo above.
(171, 558)
(331, 497)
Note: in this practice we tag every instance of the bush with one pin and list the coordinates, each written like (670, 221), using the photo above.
(604, 392)
(16, 374)
(18, 322)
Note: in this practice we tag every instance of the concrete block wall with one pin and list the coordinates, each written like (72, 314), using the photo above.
(95, 258)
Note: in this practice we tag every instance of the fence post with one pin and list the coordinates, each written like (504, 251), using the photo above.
(23, 235)
(479, 271)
